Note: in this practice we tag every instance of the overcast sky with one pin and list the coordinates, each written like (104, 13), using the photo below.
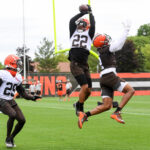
(39, 20)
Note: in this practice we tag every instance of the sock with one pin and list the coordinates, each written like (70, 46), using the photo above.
(81, 107)
(118, 109)
(88, 114)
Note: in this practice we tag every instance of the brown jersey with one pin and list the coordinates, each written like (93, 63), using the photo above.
(107, 58)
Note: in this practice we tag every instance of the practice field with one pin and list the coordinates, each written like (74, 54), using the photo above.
(52, 125)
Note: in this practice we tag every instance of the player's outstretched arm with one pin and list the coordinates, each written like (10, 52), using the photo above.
(117, 44)
(23, 93)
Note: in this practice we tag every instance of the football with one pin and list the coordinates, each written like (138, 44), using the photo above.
(83, 8)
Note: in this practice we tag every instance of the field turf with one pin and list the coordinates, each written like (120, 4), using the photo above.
(52, 125)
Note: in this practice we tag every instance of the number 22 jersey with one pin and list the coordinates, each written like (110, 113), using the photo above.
(9, 84)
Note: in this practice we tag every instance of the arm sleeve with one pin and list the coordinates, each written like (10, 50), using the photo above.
(92, 28)
(72, 25)
(23, 93)
(117, 44)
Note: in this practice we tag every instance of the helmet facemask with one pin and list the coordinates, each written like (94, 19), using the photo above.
(82, 25)
(19, 65)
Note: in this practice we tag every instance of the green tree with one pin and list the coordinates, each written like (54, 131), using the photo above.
(1, 66)
(62, 57)
(144, 30)
(140, 41)
(146, 52)
(141, 44)
(45, 57)
(128, 60)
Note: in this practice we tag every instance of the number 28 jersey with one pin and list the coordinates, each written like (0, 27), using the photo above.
(81, 40)
(8, 87)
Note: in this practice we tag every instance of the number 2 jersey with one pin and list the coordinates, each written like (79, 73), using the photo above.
(80, 41)
(9, 84)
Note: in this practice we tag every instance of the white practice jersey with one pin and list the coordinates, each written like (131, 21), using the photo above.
(8, 87)
(81, 40)
(32, 88)
(68, 86)
(38, 87)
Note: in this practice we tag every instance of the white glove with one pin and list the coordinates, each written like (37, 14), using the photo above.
(127, 25)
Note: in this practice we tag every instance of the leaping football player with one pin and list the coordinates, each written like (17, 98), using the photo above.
(109, 80)
(10, 81)
(81, 34)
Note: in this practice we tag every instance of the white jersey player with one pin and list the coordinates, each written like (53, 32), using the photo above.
(10, 81)
(82, 31)
(38, 88)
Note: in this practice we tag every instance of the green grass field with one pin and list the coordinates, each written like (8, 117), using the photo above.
(52, 125)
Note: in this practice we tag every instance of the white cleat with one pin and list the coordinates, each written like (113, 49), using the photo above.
(10, 145)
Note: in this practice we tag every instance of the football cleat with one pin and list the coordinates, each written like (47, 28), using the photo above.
(10, 143)
(117, 117)
(81, 118)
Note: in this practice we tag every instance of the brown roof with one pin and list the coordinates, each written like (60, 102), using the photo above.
(64, 66)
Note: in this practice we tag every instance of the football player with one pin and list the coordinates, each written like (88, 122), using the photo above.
(109, 80)
(68, 90)
(59, 89)
(11, 81)
(81, 34)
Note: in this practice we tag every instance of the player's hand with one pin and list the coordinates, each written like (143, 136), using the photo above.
(127, 24)
(89, 8)
(36, 97)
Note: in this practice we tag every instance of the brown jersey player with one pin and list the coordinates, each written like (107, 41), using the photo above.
(109, 80)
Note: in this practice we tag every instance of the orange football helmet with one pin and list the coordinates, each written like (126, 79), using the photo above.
(13, 62)
(101, 40)
(82, 24)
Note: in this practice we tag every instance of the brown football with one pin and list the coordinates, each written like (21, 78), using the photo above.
(83, 8)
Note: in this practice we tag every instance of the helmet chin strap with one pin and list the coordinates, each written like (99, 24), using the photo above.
(80, 30)
(12, 72)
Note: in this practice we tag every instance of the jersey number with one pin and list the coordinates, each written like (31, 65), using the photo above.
(11, 87)
(80, 41)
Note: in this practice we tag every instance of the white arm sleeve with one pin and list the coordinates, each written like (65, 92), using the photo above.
(117, 44)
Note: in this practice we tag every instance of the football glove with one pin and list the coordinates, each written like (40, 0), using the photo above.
(127, 25)
(34, 98)
(89, 9)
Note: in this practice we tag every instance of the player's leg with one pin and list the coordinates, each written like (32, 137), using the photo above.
(21, 121)
(107, 96)
(65, 97)
(7, 109)
(114, 104)
(86, 85)
(78, 72)
(128, 91)
(79, 105)
(68, 94)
